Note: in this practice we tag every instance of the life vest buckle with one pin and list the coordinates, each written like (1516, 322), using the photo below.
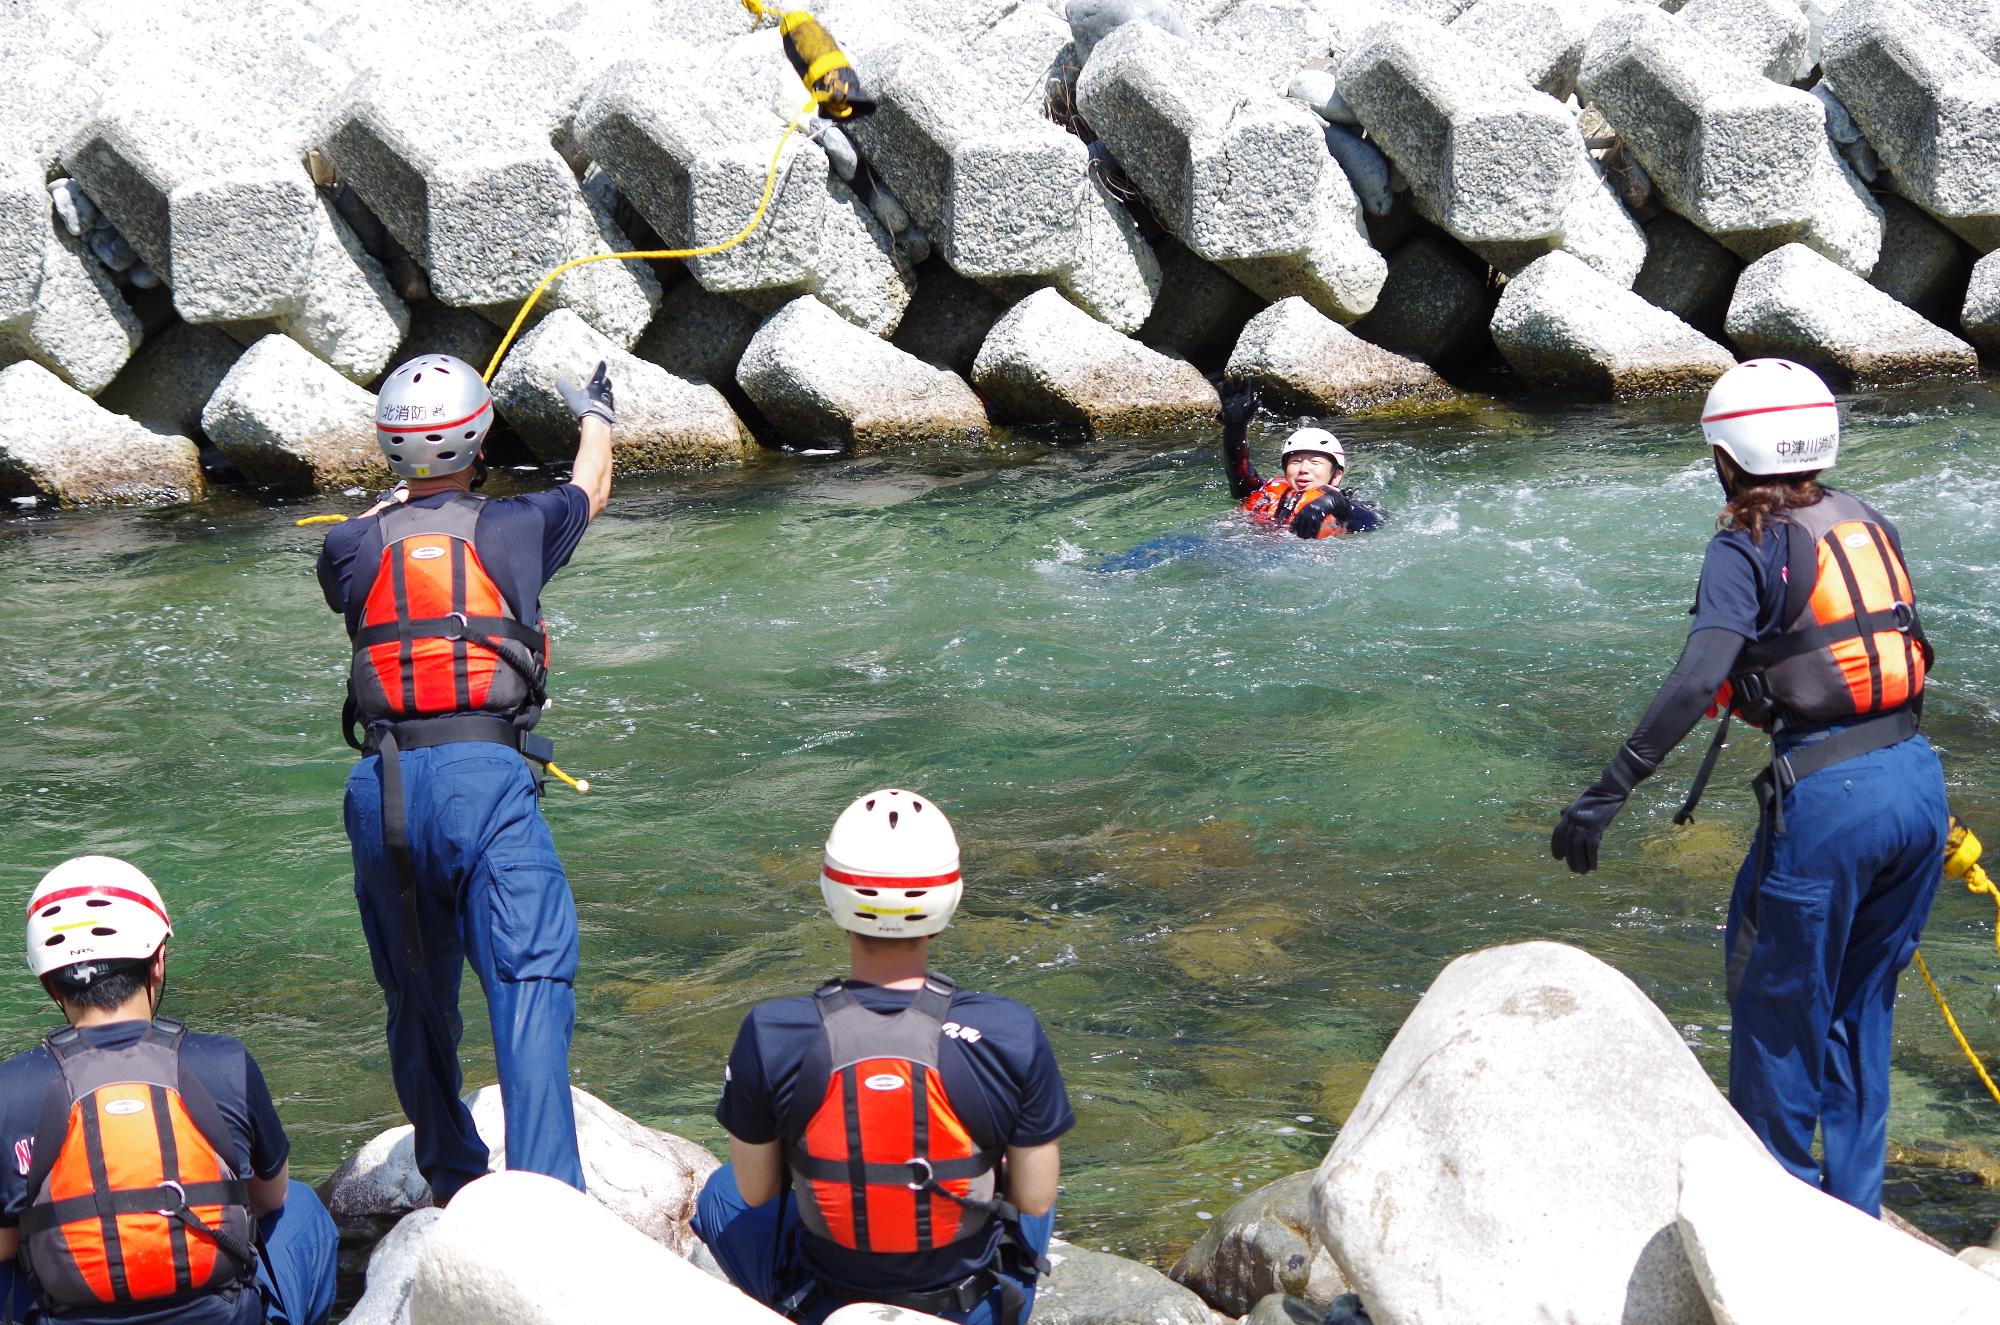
(458, 627)
(180, 1198)
(1905, 614)
(923, 1176)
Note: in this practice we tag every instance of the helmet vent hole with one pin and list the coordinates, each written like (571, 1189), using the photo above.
(470, 434)
(48, 911)
(871, 803)
(447, 455)
(97, 901)
(102, 931)
(869, 892)
(916, 805)
(434, 437)
(418, 378)
(914, 892)
(396, 456)
(440, 368)
(52, 940)
(893, 816)
(919, 916)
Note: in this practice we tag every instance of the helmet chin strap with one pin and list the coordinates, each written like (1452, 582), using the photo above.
(1726, 473)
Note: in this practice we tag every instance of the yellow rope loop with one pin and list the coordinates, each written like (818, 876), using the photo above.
(1971, 1055)
(749, 227)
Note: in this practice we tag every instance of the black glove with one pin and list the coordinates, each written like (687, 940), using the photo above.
(1239, 405)
(594, 397)
(1582, 824)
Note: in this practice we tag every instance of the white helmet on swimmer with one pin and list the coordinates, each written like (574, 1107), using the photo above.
(891, 866)
(1772, 416)
(432, 416)
(94, 909)
(1316, 441)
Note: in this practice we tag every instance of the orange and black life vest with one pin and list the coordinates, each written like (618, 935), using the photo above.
(436, 635)
(131, 1199)
(1280, 502)
(885, 1163)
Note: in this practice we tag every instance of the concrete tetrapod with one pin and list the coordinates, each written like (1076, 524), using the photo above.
(58, 445)
(291, 423)
(1306, 363)
(1448, 1157)
(1981, 316)
(1796, 305)
(1048, 360)
(1563, 327)
(79, 327)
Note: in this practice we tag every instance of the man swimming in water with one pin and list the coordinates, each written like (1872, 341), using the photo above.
(1307, 499)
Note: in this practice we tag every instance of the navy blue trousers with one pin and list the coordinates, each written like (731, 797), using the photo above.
(1840, 898)
(755, 1245)
(298, 1253)
(491, 891)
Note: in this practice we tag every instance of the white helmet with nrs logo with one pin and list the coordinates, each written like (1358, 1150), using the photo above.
(1772, 416)
(891, 867)
(94, 909)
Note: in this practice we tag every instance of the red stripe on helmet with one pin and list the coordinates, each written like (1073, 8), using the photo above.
(888, 880)
(436, 427)
(95, 890)
(1766, 409)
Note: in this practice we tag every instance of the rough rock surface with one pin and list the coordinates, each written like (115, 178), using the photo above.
(699, 335)
(506, 1252)
(1245, 181)
(1279, 1309)
(392, 1268)
(648, 1178)
(874, 1313)
(1687, 273)
(1928, 101)
(1981, 316)
(1500, 166)
(1306, 363)
(79, 328)
(1774, 37)
(60, 446)
(1564, 327)
(291, 423)
(170, 379)
(1264, 1244)
(1091, 21)
(1201, 309)
(1049, 360)
(664, 421)
(24, 222)
(1747, 160)
(822, 382)
(1542, 40)
(1796, 305)
(1434, 306)
(1922, 265)
(1740, 1220)
(948, 318)
(1095, 1288)
(1448, 1156)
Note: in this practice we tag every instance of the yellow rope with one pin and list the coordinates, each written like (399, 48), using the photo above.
(1971, 1055)
(1962, 862)
(756, 218)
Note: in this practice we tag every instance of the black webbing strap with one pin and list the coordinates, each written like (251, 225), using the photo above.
(1787, 770)
(100, 1181)
(170, 1162)
(134, 1201)
(1685, 814)
(396, 839)
(457, 626)
(916, 1174)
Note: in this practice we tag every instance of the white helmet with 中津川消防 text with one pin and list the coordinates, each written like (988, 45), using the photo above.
(891, 866)
(1313, 441)
(96, 910)
(432, 416)
(1772, 417)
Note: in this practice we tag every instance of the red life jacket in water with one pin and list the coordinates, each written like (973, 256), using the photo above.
(131, 1200)
(885, 1163)
(436, 635)
(1281, 503)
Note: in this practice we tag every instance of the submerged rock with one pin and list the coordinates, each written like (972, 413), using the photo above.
(1306, 363)
(60, 446)
(1797, 305)
(1264, 1245)
(1430, 1191)
(1564, 327)
(1047, 359)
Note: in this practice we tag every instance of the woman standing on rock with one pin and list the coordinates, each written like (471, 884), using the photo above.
(1307, 500)
(1805, 623)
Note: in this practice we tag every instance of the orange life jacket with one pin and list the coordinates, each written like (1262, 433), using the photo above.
(130, 1197)
(1278, 501)
(885, 1164)
(436, 634)
(1852, 646)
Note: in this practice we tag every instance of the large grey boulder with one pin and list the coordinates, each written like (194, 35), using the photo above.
(79, 327)
(24, 225)
(1026, 53)
(1978, 21)
(1687, 273)
(59, 446)
(1271, 40)
(1243, 179)
(1561, 326)
(1448, 1197)
(437, 328)
(1796, 305)
(1201, 310)
(44, 99)
(1091, 21)
(1096, 1288)
(1774, 37)
(1306, 363)
(1263, 1244)
(1541, 40)
(701, 335)
(1929, 102)
(392, 1268)
(1922, 265)
(291, 423)
(948, 318)
(822, 382)
(1768, 1249)
(1498, 165)
(648, 1179)
(1434, 305)
(1981, 315)
(665, 422)
(1745, 159)
(518, 1248)
(170, 379)
(348, 314)
(1047, 361)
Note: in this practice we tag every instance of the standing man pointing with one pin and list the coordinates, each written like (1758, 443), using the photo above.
(452, 860)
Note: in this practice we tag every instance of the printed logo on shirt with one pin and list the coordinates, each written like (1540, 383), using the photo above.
(884, 1081)
(969, 1034)
(24, 1154)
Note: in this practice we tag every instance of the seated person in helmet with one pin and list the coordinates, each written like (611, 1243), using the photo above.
(440, 591)
(790, 1219)
(88, 1113)
(1308, 499)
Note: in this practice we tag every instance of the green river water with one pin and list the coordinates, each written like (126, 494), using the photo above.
(1223, 818)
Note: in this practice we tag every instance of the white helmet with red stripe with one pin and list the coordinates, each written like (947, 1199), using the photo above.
(1314, 441)
(94, 908)
(432, 416)
(1772, 416)
(891, 866)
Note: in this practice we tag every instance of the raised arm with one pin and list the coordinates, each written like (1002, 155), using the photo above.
(596, 415)
(1239, 406)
